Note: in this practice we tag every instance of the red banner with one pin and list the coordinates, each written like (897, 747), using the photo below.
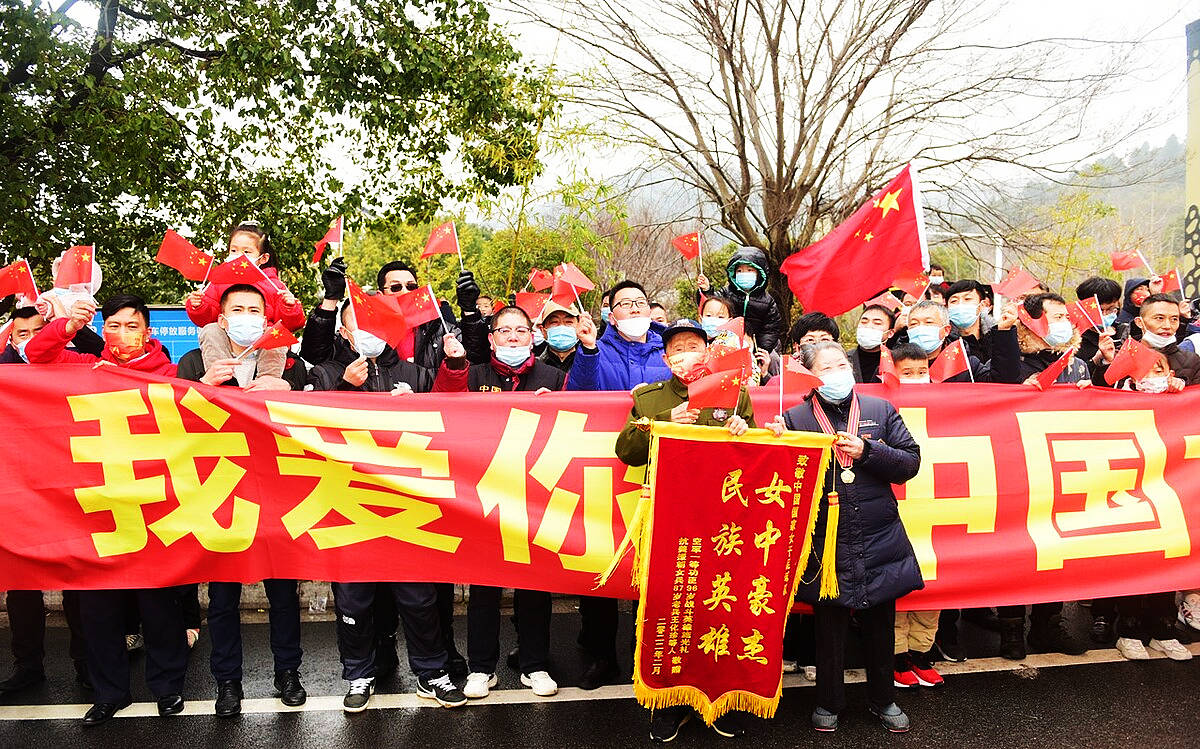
(114, 479)
(722, 552)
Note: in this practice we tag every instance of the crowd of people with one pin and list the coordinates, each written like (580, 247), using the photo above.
(494, 346)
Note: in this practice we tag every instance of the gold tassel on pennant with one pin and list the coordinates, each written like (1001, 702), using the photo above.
(829, 582)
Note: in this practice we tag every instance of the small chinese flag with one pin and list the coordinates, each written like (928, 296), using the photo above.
(540, 280)
(1124, 260)
(688, 245)
(442, 241)
(887, 369)
(737, 326)
(241, 269)
(1040, 327)
(1171, 281)
(718, 390)
(75, 266)
(952, 362)
(419, 306)
(738, 360)
(1135, 359)
(275, 336)
(334, 234)
(18, 279)
(1016, 283)
(570, 273)
(1085, 314)
(180, 254)
(1049, 375)
(887, 300)
(796, 377)
(532, 303)
(376, 315)
(914, 284)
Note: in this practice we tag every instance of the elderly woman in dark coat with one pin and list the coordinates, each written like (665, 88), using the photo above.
(875, 561)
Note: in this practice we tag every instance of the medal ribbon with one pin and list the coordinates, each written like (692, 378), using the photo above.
(843, 458)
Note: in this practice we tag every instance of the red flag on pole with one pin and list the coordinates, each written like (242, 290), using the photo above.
(914, 284)
(951, 362)
(334, 234)
(718, 390)
(884, 239)
(442, 241)
(688, 245)
(1085, 314)
(1040, 327)
(796, 377)
(887, 300)
(418, 306)
(75, 266)
(570, 273)
(887, 369)
(533, 303)
(275, 336)
(1016, 283)
(17, 278)
(540, 280)
(180, 254)
(738, 360)
(1122, 260)
(1135, 360)
(241, 269)
(1049, 375)
(1171, 281)
(377, 314)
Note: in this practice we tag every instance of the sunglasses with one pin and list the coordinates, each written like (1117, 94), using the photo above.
(396, 288)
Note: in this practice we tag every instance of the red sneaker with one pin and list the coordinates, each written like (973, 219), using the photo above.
(924, 672)
(902, 673)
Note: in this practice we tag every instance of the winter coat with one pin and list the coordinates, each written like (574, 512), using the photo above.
(210, 304)
(618, 364)
(757, 306)
(192, 367)
(491, 378)
(384, 373)
(875, 560)
(49, 346)
(85, 341)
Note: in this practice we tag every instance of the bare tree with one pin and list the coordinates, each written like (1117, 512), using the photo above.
(783, 115)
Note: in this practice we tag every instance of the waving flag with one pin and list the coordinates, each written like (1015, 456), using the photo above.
(334, 234)
(180, 254)
(688, 245)
(75, 266)
(18, 279)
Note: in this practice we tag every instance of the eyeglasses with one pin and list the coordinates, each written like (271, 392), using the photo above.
(519, 330)
(632, 304)
(396, 288)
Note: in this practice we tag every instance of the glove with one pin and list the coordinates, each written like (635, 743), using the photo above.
(333, 279)
(468, 292)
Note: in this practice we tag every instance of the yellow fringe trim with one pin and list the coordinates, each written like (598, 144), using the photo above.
(829, 581)
(755, 704)
(633, 538)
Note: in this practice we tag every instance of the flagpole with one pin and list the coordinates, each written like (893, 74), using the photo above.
(699, 254)
(438, 308)
(341, 236)
(461, 265)
(967, 359)
(782, 376)
(1099, 325)
(267, 278)
(1145, 262)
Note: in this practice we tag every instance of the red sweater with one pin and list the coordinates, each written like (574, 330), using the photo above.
(210, 306)
(49, 346)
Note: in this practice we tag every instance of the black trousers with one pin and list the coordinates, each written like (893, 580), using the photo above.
(532, 609)
(1040, 614)
(27, 620)
(225, 627)
(189, 605)
(879, 640)
(599, 618)
(799, 640)
(105, 615)
(1145, 617)
(416, 606)
(387, 619)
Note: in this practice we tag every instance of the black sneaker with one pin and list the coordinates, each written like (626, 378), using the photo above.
(359, 695)
(229, 698)
(946, 648)
(824, 721)
(598, 674)
(456, 665)
(289, 689)
(1102, 630)
(666, 722)
(21, 680)
(1053, 637)
(730, 726)
(1012, 639)
(442, 689)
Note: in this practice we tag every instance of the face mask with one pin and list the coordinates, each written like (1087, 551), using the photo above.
(538, 337)
(712, 325)
(236, 255)
(837, 385)
(368, 344)
(869, 338)
(633, 327)
(687, 366)
(922, 380)
(745, 279)
(1157, 384)
(928, 337)
(513, 356)
(964, 315)
(904, 310)
(1060, 332)
(936, 280)
(244, 329)
(561, 337)
(21, 350)
(604, 313)
(1109, 319)
(1154, 340)
(125, 345)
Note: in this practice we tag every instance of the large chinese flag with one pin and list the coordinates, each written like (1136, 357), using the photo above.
(375, 315)
(75, 266)
(18, 279)
(180, 254)
(419, 306)
(883, 240)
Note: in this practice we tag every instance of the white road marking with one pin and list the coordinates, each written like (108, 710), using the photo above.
(333, 703)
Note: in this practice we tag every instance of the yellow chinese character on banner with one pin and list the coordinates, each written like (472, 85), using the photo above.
(115, 448)
(767, 539)
(731, 487)
(1123, 512)
(728, 541)
(760, 598)
(752, 647)
(720, 593)
(715, 642)
(348, 492)
(773, 492)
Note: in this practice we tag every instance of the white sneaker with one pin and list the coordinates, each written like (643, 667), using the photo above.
(1172, 649)
(1132, 649)
(1189, 610)
(790, 667)
(478, 684)
(541, 683)
(134, 642)
(810, 673)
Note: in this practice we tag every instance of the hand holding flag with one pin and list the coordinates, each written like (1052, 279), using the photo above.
(951, 362)
(1134, 360)
(75, 266)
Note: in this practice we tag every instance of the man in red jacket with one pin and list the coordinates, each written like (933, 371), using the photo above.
(127, 341)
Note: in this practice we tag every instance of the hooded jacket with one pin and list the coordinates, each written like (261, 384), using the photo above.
(761, 313)
(275, 309)
(1129, 310)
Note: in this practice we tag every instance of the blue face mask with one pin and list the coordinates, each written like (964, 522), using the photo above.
(928, 337)
(745, 279)
(604, 313)
(21, 349)
(561, 337)
(1059, 333)
(964, 315)
(1109, 320)
(245, 329)
(712, 325)
(513, 356)
(836, 385)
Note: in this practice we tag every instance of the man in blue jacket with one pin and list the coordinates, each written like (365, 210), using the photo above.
(628, 354)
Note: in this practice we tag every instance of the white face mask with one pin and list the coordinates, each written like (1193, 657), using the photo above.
(936, 280)
(368, 344)
(538, 337)
(922, 380)
(1154, 340)
(21, 349)
(245, 328)
(633, 327)
(869, 338)
(1155, 384)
